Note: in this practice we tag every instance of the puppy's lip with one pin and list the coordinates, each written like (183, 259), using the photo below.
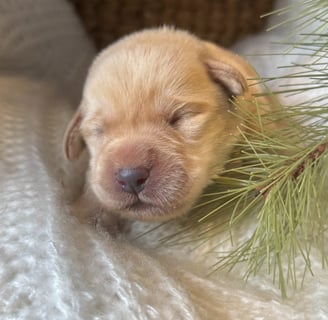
(140, 205)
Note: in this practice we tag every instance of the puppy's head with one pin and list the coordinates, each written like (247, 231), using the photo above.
(156, 119)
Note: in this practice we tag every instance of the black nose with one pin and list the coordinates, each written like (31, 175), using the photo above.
(132, 180)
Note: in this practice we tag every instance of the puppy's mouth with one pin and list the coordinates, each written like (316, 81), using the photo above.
(141, 207)
(138, 205)
(144, 210)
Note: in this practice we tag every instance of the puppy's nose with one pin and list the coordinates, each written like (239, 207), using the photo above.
(132, 180)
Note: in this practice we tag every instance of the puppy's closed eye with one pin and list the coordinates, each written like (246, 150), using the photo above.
(178, 117)
(189, 122)
(93, 130)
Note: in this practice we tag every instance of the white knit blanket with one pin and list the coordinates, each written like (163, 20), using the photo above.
(52, 267)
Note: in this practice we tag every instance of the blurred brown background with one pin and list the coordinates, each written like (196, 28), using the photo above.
(221, 21)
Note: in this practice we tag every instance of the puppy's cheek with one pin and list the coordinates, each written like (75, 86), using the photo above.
(102, 181)
(168, 186)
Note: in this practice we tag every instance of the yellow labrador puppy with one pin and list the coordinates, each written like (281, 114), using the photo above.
(156, 119)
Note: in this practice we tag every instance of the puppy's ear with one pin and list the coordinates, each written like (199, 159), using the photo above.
(240, 79)
(73, 141)
(226, 76)
(226, 69)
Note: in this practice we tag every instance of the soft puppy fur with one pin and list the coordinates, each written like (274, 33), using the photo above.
(157, 119)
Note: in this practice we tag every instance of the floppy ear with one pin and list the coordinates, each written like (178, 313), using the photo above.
(73, 141)
(226, 76)
(227, 69)
(240, 79)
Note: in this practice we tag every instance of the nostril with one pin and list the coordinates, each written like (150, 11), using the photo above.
(132, 180)
(122, 183)
(141, 181)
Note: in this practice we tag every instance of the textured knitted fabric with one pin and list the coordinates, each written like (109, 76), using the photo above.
(52, 267)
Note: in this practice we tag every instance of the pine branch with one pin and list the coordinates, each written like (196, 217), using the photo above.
(277, 179)
(308, 160)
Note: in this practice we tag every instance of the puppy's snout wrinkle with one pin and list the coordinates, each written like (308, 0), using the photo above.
(132, 180)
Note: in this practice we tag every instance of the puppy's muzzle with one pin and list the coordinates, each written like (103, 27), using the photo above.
(132, 180)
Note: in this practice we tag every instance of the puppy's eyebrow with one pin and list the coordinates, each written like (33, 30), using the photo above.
(92, 119)
(97, 116)
(193, 106)
(92, 125)
(93, 132)
(177, 100)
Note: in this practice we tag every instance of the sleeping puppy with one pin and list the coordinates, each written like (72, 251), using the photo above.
(156, 117)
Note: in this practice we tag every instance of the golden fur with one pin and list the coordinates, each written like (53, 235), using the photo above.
(157, 99)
